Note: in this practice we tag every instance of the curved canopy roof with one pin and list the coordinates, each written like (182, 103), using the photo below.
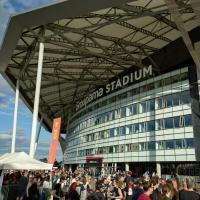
(88, 43)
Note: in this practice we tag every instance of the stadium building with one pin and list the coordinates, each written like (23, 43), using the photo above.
(122, 74)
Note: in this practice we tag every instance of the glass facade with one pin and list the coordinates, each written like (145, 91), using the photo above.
(153, 115)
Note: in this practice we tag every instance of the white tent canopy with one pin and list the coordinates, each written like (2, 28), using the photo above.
(21, 160)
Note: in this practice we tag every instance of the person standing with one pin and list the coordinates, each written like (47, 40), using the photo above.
(148, 190)
(189, 194)
(21, 186)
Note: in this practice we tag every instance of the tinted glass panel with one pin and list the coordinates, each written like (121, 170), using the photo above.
(169, 144)
(151, 146)
(189, 142)
(151, 126)
(176, 99)
(188, 120)
(143, 107)
(176, 122)
(178, 144)
(168, 123)
(185, 97)
(135, 109)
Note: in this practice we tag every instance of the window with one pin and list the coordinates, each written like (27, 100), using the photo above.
(117, 113)
(123, 112)
(150, 126)
(151, 105)
(158, 84)
(169, 144)
(175, 79)
(176, 122)
(188, 120)
(168, 123)
(116, 148)
(96, 136)
(185, 97)
(150, 86)
(143, 146)
(123, 96)
(189, 142)
(176, 99)
(151, 146)
(142, 127)
(135, 147)
(122, 148)
(178, 144)
(129, 129)
(168, 101)
(100, 150)
(167, 81)
(111, 149)
(135, 91)
(135, 109)
(129, 111)
(135, 128)
(122, 130)
(159, 103)
(112, 115)
(143, 108)
(161, 145)
(184, 76)
(112, 132)
(143, 89)
(159, 124)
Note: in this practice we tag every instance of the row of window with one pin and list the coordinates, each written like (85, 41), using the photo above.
(151, 105)
(186, 143)
(149, 126)
(136, 91)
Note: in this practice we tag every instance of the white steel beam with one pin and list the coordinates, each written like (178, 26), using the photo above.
(36, 101)
(15, 118)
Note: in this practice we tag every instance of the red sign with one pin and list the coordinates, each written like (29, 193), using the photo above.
(54, 140)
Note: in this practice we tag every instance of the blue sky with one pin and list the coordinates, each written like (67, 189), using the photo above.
(7, 95)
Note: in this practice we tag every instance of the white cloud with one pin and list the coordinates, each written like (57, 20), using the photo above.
(5, 136)
(31, 4)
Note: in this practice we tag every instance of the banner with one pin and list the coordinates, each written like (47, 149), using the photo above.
(54, 140)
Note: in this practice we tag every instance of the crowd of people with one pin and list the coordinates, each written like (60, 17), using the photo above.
(80, 185)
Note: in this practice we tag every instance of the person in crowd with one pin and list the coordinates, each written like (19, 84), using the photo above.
(57, 191)
(47, 186)
(116, 192)
(86, 187)
(167, 192)
(33, 192)
(138, 189)
(22, 185)
(156, 192)
(129, 190)
(189, 194)
(73, 194)
(105, 185)
(79, 186)
(128, 178)
(148, 188)
(98, 194)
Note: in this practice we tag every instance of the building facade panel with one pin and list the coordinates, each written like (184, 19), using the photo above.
(150, 121)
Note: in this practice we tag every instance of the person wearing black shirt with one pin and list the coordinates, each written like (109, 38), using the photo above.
(57, 191)
(98, 195)
(189, 194)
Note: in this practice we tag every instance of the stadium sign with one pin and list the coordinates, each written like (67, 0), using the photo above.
(114, 85)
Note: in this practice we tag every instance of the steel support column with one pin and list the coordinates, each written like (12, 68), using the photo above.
(36, 101)
(15, 118)
(38, 134)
